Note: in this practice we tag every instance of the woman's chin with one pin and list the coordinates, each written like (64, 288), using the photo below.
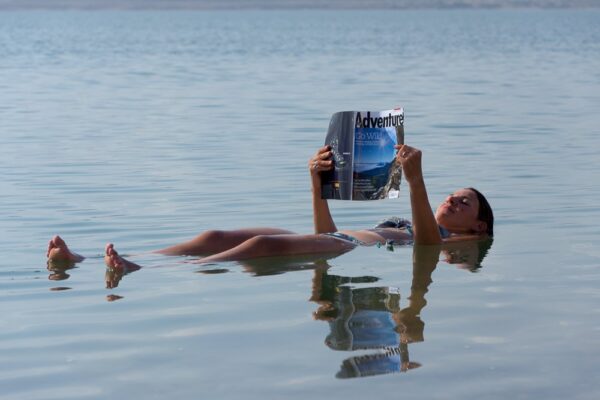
(442, 220)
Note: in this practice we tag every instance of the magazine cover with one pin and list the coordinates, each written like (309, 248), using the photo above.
(363, 143)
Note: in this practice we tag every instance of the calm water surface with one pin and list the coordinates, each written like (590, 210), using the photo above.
(146, 128)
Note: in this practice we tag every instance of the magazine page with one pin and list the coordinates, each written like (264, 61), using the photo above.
(362, 144)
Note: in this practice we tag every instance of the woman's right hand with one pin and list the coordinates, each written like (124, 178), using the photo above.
(321, 161)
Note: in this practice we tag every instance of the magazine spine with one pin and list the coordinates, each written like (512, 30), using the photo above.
(351, 180)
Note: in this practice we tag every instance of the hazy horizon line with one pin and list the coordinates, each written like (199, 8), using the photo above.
(290, 4)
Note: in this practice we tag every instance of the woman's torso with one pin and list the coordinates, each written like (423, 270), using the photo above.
(381, 235)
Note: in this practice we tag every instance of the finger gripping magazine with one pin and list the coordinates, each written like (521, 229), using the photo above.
(362, 143)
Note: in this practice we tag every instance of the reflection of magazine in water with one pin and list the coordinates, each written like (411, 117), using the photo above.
(362, 143)
(364, 319)
(389, 361)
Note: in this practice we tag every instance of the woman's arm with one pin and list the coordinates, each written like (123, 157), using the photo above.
(322, 219)
(425, 227)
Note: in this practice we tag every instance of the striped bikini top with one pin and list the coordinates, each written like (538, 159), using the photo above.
(403, 223)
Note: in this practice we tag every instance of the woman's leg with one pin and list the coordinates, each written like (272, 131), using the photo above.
(212, 242)
(209, 242)
(281, 245)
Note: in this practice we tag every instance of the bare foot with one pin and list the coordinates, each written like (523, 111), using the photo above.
(115, 261)
(58, 251)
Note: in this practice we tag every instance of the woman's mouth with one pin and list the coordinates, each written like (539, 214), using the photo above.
(447, 207)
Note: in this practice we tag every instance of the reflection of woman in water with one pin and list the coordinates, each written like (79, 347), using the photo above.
(464, 215)
(371, 318)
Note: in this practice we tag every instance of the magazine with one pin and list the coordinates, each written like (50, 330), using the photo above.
(362, 143)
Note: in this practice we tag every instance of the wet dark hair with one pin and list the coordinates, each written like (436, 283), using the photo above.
(483, 247)
(485, 213)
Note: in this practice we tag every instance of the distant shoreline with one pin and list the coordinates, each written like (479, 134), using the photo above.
(292, 4)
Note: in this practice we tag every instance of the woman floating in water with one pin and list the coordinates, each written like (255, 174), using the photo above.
(464, 215)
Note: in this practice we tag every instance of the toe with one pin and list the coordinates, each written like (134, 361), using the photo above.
(51, 253)
(58, 241)
(113, 259)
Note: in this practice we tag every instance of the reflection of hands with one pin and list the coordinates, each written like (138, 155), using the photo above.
(325, 312)
(321, 161)
(407, 365)
(409, 325)
(410, 159)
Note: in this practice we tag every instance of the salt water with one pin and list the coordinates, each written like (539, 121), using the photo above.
(147, 128)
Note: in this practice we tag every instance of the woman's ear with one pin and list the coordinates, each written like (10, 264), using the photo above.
(480, 227)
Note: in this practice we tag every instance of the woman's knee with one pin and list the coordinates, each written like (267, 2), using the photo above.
(213, 236)
(267, 244)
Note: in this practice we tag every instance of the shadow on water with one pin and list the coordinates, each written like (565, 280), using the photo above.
(362, 316)
(58, 272)
(274, 265)
(371, 318)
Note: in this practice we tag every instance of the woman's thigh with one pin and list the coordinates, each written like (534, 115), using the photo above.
(223, 240)
(306, 244)
(216, 241)
(247, 233)
(283, 245)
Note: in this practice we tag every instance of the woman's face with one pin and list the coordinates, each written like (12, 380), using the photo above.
(458, 213)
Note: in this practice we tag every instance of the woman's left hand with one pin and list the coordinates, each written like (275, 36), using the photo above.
(410, 159)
